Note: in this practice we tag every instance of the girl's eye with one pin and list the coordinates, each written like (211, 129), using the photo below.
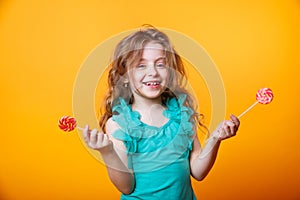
(160, 65)
(141, 66)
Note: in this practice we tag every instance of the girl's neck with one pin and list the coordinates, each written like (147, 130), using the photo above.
(151, 111)
(141, 103)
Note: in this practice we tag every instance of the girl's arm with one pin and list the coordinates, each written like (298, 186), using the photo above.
(114, 155)
(202, 160)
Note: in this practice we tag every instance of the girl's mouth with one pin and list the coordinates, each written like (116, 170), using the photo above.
(152, 84)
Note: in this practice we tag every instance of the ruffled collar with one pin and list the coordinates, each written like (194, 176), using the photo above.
(129, 119)
(137, 136)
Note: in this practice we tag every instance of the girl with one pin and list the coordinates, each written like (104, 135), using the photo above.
(150, 145)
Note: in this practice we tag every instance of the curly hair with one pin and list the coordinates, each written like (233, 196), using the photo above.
(126, 54)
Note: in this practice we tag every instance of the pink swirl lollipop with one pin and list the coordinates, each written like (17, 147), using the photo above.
(67, 123)
(263, 96)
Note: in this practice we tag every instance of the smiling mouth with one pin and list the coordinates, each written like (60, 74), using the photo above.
(152, 83)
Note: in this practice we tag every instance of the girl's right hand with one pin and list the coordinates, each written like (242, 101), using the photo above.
(227, 128)
(96, 140)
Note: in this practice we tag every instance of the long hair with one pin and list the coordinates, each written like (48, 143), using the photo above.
(127, 54)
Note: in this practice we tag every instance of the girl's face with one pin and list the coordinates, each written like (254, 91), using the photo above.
(148, 79)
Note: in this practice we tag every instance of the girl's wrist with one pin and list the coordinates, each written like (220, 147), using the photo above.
(108, 149)
(211, 144)
(214, 138)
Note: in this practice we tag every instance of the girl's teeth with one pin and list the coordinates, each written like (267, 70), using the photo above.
(152, 83)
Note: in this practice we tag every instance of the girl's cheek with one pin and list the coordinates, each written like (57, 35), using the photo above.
(139, 75)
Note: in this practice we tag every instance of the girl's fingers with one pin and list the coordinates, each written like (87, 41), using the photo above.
(235, 120)
(227, 128)
(93, 137)
(231, 128)
(100, 139)
(86, 135)
(106, 139)
(227, 131)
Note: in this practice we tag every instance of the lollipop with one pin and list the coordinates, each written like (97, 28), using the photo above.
(68, 123)
(263, 96)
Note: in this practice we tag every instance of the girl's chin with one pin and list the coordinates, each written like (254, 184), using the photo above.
(149, 94)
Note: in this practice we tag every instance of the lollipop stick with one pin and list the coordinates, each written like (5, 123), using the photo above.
(250, 107)
(79, 128)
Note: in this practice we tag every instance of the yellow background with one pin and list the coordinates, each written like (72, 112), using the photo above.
(43, 44)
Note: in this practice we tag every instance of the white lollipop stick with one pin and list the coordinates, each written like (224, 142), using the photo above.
(79, 128)
(263, 96)
(250, 107)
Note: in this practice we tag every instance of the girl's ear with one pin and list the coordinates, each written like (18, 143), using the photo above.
(125, 81)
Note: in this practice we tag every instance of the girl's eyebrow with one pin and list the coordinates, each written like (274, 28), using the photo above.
(159, 58)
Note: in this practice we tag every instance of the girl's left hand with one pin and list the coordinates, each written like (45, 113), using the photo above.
(227, 128)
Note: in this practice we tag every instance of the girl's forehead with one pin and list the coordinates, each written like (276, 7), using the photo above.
(152, 45)
(152, 53)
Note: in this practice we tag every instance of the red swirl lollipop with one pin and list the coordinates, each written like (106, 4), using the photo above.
(67, 123)
(263, 96)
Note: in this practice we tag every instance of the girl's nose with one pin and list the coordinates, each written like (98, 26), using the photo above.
(152, 71)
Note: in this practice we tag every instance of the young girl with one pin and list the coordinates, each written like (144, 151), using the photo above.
(150, 145)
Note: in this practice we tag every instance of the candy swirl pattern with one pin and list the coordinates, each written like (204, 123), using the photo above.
(67, 123)
(264, 95)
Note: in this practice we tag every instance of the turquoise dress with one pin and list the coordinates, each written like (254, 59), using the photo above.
(158, 156)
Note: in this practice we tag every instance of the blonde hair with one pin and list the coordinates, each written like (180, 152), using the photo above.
(127, 53)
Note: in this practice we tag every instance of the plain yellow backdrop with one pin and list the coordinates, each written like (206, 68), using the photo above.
(43, 44)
